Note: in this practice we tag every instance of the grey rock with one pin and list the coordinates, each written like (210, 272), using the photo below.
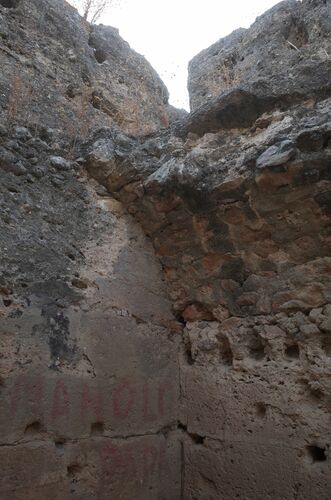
(277, 154)
(60, 163)
(10, 4)
(9, 163)
(22, 133)
(234, 108)
(284, 55)
(3, 130)
(325, 326)
(51, 39)
(38, 171)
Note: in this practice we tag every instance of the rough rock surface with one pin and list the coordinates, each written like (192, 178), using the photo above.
(89, 390)
(89, 376)
(283, 57)
(60, 71)
(240, 220)
(166, 300)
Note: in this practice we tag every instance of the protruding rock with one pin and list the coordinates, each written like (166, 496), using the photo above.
(277, 154)
(282, 58)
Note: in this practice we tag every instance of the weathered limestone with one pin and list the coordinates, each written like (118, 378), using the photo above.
(166, 299)
(89, 377)
(284, 55)
(280, 60)
(67, 74)
(240, 220)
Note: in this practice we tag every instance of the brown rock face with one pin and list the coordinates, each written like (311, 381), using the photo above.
(166, 300)
(89, 375)
(89, 371)
(240, 220)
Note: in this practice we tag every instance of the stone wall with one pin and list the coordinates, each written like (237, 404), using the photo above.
(241, 224)
(89, 375)
(237, 205)
(89, 371)
(166, 299)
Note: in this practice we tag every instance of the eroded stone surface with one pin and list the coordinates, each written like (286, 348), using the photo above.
(89, 389)
(283, 55)
(281, 59)
(166, 300)
(240, 221)
(60, 71)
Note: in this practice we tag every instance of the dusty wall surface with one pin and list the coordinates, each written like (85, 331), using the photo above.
(89, 375)
(89, 378)
(244, 243)
(166, 299)
(89, 387)
(237, 205)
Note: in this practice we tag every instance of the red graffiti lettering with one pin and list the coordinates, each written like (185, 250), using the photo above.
(123, 399)
(131, 462)
(91, 401)
(112, 460)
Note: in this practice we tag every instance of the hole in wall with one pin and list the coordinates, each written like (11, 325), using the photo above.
(59, 443)
(96, 100)
(180, 318)
(97, 429)
(327, 141)
(196, 438)
(256, 348)
(316, 453)
(298, 35)
(316, 394)
(73, 470)
(292, 351)
(261, 409)
(7, 302)
(100, 55)
(79, 283)
(34, 428)
(13, 189)
(188, 354)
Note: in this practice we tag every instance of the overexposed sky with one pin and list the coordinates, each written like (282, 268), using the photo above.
(170, 32)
